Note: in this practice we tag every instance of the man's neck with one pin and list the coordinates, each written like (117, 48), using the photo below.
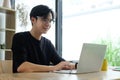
(35, 35)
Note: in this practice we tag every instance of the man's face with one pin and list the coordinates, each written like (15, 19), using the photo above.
(41, 24)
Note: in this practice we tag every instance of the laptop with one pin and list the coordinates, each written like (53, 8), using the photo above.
(91, 59)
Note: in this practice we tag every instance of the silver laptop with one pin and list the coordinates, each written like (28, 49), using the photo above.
(91, 59)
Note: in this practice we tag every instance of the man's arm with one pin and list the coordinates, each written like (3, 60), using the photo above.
(31, 67)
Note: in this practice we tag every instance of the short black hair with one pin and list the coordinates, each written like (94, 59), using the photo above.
(42, 11)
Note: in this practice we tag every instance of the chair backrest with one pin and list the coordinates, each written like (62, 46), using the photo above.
(5, 66)
(0, 67)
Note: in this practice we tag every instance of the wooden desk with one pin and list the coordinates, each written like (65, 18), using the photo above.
(103, 75)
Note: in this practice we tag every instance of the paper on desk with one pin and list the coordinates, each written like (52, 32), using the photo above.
(116, 69)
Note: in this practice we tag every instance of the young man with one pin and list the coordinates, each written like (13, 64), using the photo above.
(31, 51)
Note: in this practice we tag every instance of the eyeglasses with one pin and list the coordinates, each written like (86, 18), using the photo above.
(45, 20)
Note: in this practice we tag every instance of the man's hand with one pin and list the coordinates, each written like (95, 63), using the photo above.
(64, 65)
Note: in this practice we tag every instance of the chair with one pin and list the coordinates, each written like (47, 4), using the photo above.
(0, 67)
(5, 66)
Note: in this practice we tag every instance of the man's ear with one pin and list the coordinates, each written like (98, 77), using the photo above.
(32, 19)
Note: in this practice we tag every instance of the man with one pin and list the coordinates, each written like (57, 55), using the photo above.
(31, 51)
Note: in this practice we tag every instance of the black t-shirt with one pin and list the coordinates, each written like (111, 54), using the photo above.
(26, 48)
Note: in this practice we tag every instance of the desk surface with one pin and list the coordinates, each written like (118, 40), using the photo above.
(103, 75)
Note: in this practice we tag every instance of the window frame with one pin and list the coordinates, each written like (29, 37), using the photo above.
(58, 27)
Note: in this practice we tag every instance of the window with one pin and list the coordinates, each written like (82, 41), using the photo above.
(94, 21)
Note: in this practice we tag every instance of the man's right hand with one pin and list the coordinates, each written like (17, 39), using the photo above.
(62, 65)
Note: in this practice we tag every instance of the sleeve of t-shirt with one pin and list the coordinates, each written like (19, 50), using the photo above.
(18, 49)
(55, 58)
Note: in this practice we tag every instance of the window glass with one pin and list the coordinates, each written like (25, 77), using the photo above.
(91, 21)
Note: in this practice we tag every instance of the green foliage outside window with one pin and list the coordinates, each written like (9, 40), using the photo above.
(112, 53)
